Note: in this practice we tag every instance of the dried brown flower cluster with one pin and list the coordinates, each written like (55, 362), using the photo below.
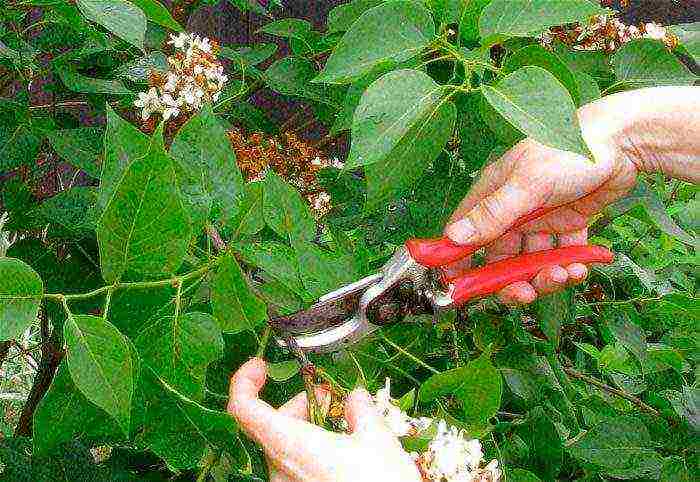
(606, 33)
(294, 159)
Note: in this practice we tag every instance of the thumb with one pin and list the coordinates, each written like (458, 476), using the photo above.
(494, 215)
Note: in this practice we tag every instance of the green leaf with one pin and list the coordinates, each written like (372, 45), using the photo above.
(645, 63)
(19, 145)
(276, 260)
(235, 306)
(288, 28)
(525, 18)
(539, 56)
(139, 70)
(101, 365)
(390, 32)
(285, 210)
(21, 292)
(179, 429)
(675, 470)
(145, 228)
(179, 350)
(206, 163)
(400, 106)
(120, 17)
(626, 332)
(520, 475)
(587, 87)
(535, 102)
(70, 211)
(80, 147)
(249, 219)
(64, 414)
(292, 76)
(246, 56)
(477, 385)
(322, 271)
(157, 13)
(401, 124)
(283, 371)
(469, 21)
(621, 447)
(123, 144)
(686, 404)
(553, 311)
(689, 36)
(341, 17)
(546, 450)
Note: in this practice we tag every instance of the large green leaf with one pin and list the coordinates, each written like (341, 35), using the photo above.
(544, 443)
(292, 76)
(157, 13)
(70, 212)
(541, 57)
(288, 28)
(278, 261)
(65, 414)
(235, 306)
(179, 350)
(122, 18)
(322, 271)
(249, 219)
(535, 102)
(80, 147)
(620, 447)
(123, 144)
(179, 429)
(675, 470)
(206, 163)
(469, 20)
(390, 32)
(520, 475)
(477, 385)
(21, 291)
(528, 17)
(145, 228)
(340, 18)
(401, 125)
(686, 404)
(553, 311)
(285, 210)
(77, 82)
(645, 63)
(626, 332)
(100, 362)
(400, 106)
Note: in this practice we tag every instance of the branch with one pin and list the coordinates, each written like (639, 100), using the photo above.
(620, 393)
(4, 350)
(51, 357)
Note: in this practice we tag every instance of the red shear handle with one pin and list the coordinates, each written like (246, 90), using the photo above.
(495, 276)
(436, 252)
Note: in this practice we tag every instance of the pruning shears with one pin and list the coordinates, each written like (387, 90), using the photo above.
(413, 281)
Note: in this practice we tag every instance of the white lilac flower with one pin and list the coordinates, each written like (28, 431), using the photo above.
(149, 102)
(453, 455)
(180, 41)
(171, 107)
(171, 83)
(654, 31)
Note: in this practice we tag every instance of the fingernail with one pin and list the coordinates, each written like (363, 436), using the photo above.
(559, 275)
(460, 231)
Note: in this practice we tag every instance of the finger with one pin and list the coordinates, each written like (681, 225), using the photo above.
(521, 293)
(286, 440)
(550, 280)
(574, 238)
(577, 272)
(363, 417)
(504, 247)
(494, 214)
(538, 242)
(298, 407)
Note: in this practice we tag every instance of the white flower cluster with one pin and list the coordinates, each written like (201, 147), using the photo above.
(450, 457)
(194, 76)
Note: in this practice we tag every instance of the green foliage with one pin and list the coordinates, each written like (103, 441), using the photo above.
(148, 265)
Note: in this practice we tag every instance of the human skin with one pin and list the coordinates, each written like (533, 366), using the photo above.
(298, 451)
(647, 130)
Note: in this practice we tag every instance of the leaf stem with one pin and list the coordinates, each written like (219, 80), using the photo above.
(263, 342)
(409, 355)
(615, 391)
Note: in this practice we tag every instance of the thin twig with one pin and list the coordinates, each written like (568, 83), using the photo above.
(263, 342)
(409, 355)
(615, 391)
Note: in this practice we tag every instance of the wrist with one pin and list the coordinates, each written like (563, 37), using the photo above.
(654, 129)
